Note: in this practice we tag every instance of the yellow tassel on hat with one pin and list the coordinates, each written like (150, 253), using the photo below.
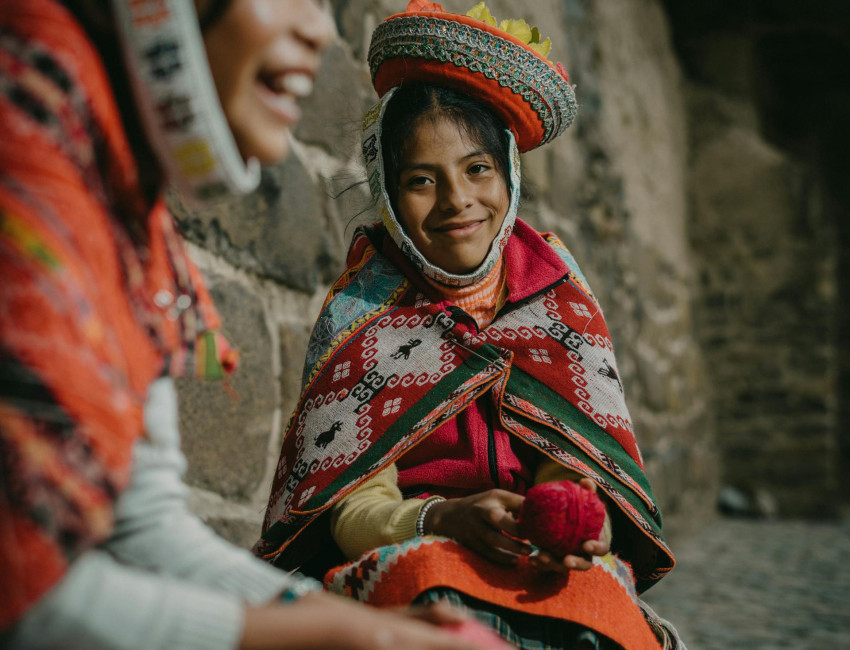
(517, 28)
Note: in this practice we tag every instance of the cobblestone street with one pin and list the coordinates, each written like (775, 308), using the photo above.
(760, 585)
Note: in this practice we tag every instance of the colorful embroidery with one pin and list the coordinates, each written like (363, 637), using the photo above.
(479, 51)
(393, 376)
(395, 575)
(98, 295)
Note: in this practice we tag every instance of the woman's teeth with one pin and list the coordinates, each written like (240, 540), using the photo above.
(294, 83)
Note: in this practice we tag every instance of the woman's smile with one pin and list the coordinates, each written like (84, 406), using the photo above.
(280, 92)
(459, 230)
(263, 56)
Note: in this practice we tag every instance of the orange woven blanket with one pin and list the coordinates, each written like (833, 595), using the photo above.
(603, 598)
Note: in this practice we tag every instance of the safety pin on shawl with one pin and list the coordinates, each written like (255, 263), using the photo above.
(499, 361)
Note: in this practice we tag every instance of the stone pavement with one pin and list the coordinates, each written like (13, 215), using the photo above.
(760, 585)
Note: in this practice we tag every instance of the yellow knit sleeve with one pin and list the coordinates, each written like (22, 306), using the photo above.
(549, 471)
(373, 515)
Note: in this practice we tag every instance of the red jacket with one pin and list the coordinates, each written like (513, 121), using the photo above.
(473, 452)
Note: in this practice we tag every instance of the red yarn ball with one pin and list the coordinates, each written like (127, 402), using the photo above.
(559, 517)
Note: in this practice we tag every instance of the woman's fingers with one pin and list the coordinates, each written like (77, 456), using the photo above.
(493, 544)
(542, 561)
(439, 613)
(545, 562)
(576, 563)
(483, 522)
(408, 633)
(496, 554)
(502, 519)
(497, 540)
(320, 620)
(510, 501)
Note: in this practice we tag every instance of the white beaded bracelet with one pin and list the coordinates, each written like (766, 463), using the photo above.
(420, 520)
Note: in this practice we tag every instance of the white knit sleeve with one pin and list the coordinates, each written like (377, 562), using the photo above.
(155, 530)
(102, 605)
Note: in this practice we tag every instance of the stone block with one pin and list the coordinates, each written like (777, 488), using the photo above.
(355, 21)
(239, 532)
(738, 178)
(293, 348)
(710, 113)
(226, 433)
(814, 502)
(567, 181)
(653, 377)
(341, 96)
(536, 169)
(642, 118)
(280, 231)
(728, 62)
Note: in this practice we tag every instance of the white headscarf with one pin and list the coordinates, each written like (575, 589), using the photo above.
(177, 100)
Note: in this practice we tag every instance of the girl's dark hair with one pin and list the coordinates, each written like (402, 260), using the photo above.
(418, 99)
(211, 13)
(97, 18)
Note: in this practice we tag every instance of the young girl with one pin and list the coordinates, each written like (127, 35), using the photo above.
(461, 359)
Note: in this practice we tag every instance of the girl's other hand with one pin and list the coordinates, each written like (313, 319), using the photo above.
(484, 522)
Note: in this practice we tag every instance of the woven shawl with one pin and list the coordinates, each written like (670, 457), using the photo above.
(387, 365)
(89, 316)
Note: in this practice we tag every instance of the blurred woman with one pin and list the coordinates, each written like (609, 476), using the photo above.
(101, 307)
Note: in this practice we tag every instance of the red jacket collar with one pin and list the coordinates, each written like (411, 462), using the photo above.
(532, 264)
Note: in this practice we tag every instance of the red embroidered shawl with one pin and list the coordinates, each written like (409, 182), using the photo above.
(386, 366)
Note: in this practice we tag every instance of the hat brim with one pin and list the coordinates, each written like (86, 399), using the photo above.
(522, 88)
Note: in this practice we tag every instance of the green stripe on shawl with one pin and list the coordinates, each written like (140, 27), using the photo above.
(650, 558)
(375, 454)
(525, 386)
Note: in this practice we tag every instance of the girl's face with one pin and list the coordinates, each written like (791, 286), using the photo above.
(263, 55)
(452, 199)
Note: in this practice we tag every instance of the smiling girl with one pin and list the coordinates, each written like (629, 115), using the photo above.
(461, 359)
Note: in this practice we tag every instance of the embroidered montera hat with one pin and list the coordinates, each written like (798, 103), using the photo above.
(504, 66)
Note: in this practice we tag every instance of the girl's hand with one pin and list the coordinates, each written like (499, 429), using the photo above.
(546, 562)
(484, 522)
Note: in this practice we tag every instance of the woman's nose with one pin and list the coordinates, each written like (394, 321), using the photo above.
(314, 24)
(455, 195)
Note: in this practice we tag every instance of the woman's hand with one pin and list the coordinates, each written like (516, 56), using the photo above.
(322, 621)
(484, 522)
(546, 562)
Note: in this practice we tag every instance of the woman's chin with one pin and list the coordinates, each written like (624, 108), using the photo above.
(268, 150)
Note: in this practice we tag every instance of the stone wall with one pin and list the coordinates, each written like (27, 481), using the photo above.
(767, 312)
(614, 188)
(768, 206)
